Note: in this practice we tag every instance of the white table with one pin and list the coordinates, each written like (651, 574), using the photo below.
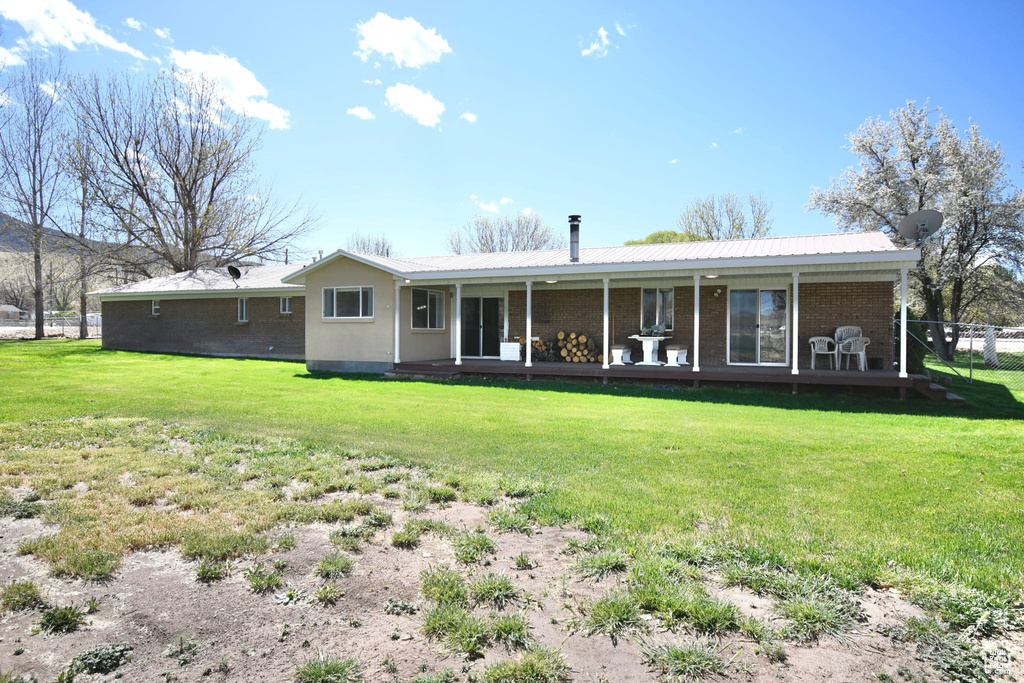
(650, 349)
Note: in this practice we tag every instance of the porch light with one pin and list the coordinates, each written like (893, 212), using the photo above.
(711, 277)
(408, 281)
(551, 282)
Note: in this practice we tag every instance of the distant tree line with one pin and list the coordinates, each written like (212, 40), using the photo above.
(143, 175)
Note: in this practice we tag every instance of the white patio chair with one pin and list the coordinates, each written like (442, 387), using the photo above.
(825, 346)
(843, 333)
(855, 346)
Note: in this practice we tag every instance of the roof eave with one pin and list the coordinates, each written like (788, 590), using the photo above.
(106, 295)
(896, 258)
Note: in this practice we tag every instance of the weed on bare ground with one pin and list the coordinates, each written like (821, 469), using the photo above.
(166, 554)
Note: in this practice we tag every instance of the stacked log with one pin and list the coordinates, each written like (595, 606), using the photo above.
(542, 350)
(577, 347)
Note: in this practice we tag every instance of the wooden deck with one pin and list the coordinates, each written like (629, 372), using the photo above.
(883, 379)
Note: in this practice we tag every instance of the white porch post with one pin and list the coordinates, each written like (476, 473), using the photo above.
(696, 323)
(398, 329)
(903, 322)
(604, 363)
(796, 322)
(458, 323)
(529, 324)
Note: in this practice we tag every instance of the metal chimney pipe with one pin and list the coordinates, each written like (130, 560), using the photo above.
(574, 238)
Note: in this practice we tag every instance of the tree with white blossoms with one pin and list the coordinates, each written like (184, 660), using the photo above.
(908, 163)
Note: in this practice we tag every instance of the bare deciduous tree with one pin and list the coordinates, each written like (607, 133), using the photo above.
(31, 178)
(378, 245)
(724, 217)
(173, 172)
(906, 164)
(506, 233)
(79, 162)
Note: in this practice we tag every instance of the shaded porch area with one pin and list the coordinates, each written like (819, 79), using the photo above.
(446, 368)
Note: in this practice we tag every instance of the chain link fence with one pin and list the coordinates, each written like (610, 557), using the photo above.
(66, 326)
(988, 353)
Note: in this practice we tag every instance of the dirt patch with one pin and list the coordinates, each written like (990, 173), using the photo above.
(154, 598)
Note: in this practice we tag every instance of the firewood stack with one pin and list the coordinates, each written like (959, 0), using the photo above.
(577, 347)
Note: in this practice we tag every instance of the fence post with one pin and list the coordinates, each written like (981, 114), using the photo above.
(971, 373)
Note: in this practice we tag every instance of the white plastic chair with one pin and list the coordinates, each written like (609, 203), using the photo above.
(843, 333)
(855, 346)
(825, 346)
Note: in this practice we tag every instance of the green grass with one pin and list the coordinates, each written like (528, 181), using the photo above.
(472, 547)
(834, 483)
(493, 590)
(334, 566)
(684, 662)
(329, 669)
(539, 665)
(18, 596)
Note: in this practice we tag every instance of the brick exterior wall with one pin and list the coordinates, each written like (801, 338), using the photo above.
(823, 307)
(207, 326)
(826, 306)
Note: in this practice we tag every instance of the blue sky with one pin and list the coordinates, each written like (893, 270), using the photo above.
(671, 102)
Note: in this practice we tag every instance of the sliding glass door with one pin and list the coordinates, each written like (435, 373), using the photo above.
(483, 322)
(757, 327)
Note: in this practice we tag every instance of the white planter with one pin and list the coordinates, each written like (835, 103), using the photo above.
(510, 350)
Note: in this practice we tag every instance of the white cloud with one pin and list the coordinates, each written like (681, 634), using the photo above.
(422, 106)
(472, 196)
(506, 200)
(10, 57)
(618, 29)
(133, 24)
(241, 90)
(403, 40)
(492, 207)
(375, 81)
(527, 212)
(738, 131)
(469, 116)
(50, 88)
(598, 48)
(59, 22)
(673, 161)
(163, 33)
(362, 113)
(713, 145)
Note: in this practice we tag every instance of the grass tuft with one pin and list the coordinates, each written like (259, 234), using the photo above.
(329, 669)
(603, 564)
(512, 631)
(19, 596)
(334, 565)
(510, 520)
(539, 665)
(614, 614)
(495, 590)
(444, 585)
(471, 547)
(684, 661)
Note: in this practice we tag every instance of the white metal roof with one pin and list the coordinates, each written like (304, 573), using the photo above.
(209, 281)
(835, 247)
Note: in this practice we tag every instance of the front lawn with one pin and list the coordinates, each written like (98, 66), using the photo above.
(855, 485)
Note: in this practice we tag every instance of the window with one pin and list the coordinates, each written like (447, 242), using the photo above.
(427, 309)
(656, 308)
(243, 310)
(156, 307)
(348, 302)
(286, 304)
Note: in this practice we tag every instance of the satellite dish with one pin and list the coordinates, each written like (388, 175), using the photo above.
(235, 273)
(919, 225)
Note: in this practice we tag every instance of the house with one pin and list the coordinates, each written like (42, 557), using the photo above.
(742, 309)
(738, 303)
(8, 312)
(208, 312)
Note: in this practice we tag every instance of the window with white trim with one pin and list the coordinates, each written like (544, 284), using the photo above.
(346, 303)
(286, 304)
(427, 309)
(243, 310)
(656, 308)
(156, 307)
